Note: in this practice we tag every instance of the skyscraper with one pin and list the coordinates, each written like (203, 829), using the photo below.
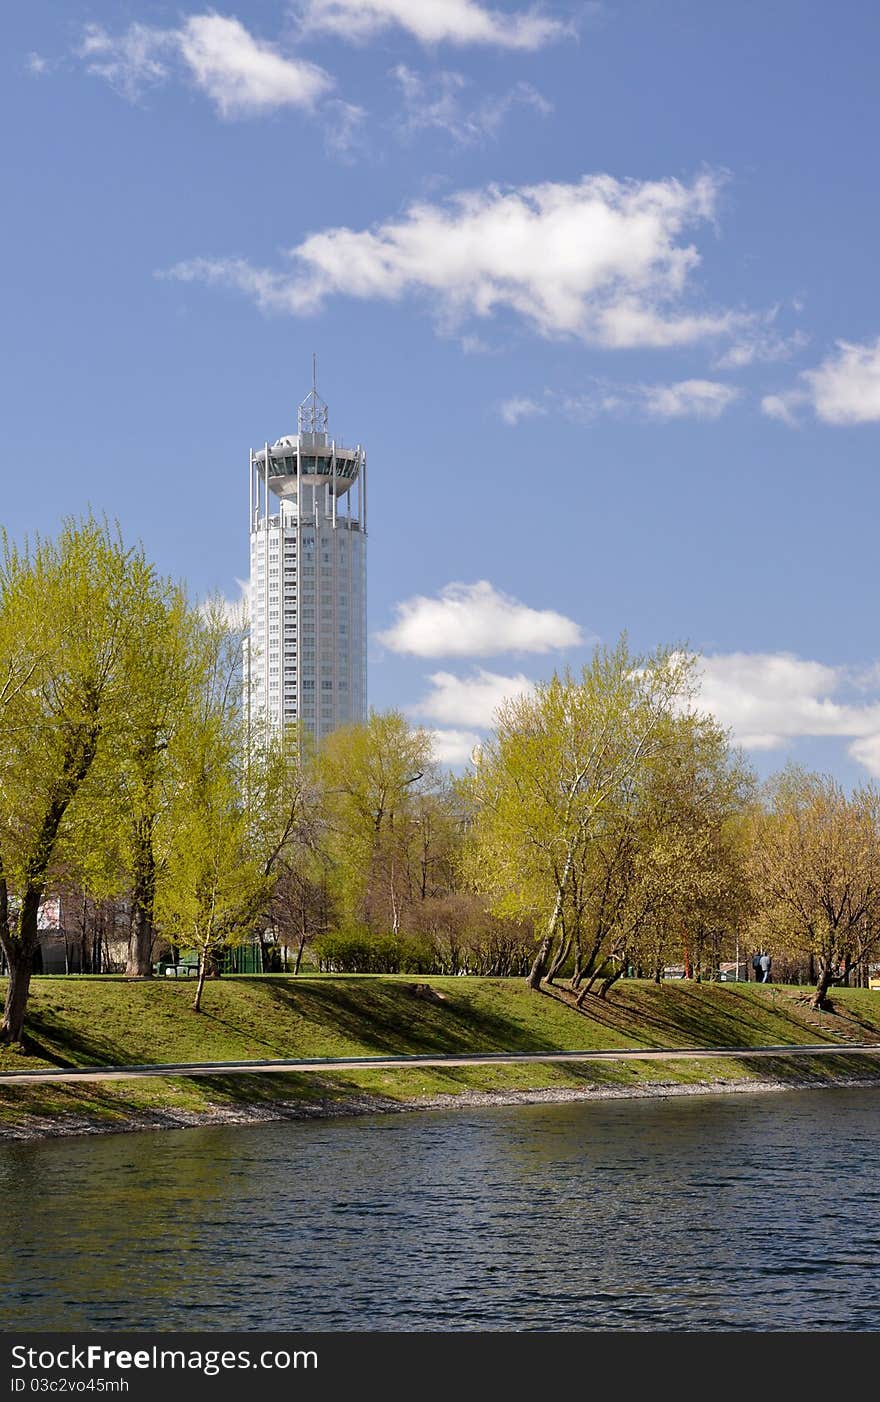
(306, 657)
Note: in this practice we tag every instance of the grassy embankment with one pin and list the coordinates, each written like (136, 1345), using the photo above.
(88, 1022)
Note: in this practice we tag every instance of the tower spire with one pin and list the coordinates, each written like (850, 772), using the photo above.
(312, 413)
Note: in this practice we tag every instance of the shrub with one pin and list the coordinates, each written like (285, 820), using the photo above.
(358, 951)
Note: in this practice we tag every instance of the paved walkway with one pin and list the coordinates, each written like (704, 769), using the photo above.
(393, 1063)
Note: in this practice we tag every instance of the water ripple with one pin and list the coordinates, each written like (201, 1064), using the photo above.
(711, 1213)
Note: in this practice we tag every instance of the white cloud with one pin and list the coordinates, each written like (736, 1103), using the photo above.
(846, 387)
(767, 699)
(520, 407)
(453, 747)
(258, 283)
(843, 389)
(234, 611)
(470, 701)
(438, 102)
(684, 399)
(602, 260)
(474, 345)
(475, 620)
(433, 22)
(129, 62)
(242, 75)
(36, 65)
(493, 110)
(343, 131)
(761, 343)
(783, 407)
(867, 752)
(688, 399)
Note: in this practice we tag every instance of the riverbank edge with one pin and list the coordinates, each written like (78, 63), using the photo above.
(355, 1105)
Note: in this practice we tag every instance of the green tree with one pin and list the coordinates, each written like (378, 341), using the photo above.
(690, 886)
(71, 614)
(123, 825)
(815, 861)
(557, 760)
(214, 885)
(661, 872)
(372, 777)
(288, 829)
(301, 908)
(214, 882)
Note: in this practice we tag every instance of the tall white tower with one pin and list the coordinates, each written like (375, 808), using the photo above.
(306, 657)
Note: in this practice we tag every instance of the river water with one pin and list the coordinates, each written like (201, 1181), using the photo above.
(710, 1212)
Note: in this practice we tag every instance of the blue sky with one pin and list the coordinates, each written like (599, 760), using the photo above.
(594, 284)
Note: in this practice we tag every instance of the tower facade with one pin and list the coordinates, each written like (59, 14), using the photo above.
(306, 657)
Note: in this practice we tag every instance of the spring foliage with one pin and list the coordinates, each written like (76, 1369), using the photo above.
(605, 825)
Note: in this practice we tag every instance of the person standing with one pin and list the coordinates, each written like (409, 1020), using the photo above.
(766, 961)
(756, 965)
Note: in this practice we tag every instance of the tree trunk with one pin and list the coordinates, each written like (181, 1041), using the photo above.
(20, 955)
(537, 969)
(395, 908)
(20, 951)
(587, 989)
(200, 985)
(610, 981)
(140, 942)
(590, 965)
(140, 945)
(574, 981)
(299, 953)
(820, 1003)
(539, 961)
(21, 966)
(84, 926)
(559, 960)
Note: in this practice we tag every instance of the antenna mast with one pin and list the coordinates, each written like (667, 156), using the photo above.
(312, 413)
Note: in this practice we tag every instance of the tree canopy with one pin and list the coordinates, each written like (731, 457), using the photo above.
(606, 825)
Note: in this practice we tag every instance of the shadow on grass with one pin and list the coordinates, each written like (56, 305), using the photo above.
(64, 1046)
(808, 1071)
(313, 1019)
(390, 1018)
(710, 1016)
(286, 1017)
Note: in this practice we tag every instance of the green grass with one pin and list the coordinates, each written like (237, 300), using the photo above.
(88, 1022)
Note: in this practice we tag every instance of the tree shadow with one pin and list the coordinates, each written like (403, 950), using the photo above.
(695, 1014)
(392, 1018)
(65, 1046)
